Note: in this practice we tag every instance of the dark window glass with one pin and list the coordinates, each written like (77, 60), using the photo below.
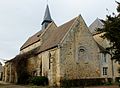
(105, 70)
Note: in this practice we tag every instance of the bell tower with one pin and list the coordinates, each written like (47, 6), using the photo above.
(47, 18)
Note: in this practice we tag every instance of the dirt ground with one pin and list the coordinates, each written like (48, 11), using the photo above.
(20, 86)
(7, 85)
(114, 86)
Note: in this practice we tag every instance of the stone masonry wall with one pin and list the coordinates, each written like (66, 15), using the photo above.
(35, 45)
(79, 56)
(34, 66)
(50, 66)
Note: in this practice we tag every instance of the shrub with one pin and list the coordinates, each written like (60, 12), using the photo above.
(81, 82)
(108, 83)
(39, 80)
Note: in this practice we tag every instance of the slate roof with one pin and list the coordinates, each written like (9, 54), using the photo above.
(96, 24)
(47, 16)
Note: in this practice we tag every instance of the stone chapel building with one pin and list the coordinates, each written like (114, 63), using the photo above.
(71, 51)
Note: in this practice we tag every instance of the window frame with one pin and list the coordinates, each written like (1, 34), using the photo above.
(105, 70)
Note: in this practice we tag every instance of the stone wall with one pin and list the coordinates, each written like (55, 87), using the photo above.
(9, 73)
(34, 66)
(33, 46)
(38, 65)
(107, 63)
(50, 66)
(46, 64)
(79, 54)
(116, 66)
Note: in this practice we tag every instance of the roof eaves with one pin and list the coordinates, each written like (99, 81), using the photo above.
(47, 49)
(29, 45)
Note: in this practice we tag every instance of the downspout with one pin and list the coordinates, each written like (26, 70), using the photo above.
(113, 72)
(112, 68)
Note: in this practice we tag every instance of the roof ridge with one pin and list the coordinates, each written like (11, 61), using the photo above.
(36, 37)
(49, 25)
(56, 36)
(69, 28)
(67, 22)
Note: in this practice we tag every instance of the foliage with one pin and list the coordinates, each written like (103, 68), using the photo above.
(39, 80)
(109, 82)
(111, 30)
(82, 82)
(20, 65)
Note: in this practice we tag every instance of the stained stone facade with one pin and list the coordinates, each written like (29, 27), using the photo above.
(78, 57)
(69, 52)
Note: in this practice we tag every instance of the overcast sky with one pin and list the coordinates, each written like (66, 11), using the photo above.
(19, 19)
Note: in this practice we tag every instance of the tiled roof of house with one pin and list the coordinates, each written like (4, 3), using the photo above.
(56, 36)
(54, 39)
(36, 37)
(102, 49)
(31, 40)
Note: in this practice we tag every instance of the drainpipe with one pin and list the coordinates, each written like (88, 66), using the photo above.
(112, 68)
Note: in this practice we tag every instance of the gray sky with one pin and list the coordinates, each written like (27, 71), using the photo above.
(19, 19)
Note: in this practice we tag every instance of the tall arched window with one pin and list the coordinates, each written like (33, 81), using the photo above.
(49, 60)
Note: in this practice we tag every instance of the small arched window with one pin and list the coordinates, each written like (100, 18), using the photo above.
(81, 50)
(82, 54)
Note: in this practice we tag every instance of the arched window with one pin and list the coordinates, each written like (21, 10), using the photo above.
(104, 57)
(82, 54)
(49, 60)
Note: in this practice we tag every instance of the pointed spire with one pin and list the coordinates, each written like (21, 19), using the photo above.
(47, 15)
(47, 18)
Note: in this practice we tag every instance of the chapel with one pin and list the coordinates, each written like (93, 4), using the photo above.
(71, 51)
